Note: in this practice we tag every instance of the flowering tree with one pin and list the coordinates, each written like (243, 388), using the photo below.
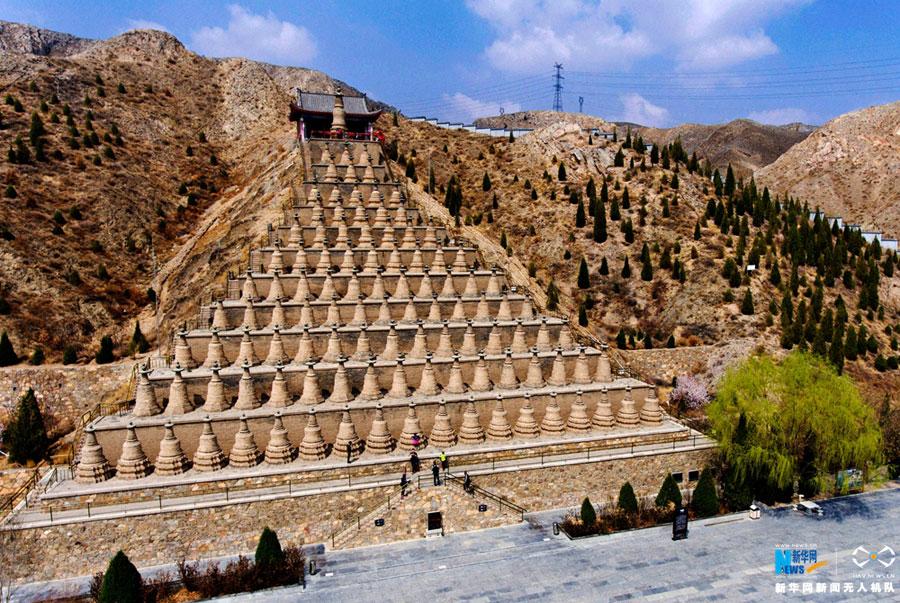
(689, 394)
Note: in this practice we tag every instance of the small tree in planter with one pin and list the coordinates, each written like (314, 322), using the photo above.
(627, 499)
(588, 514)
(122, 582)
(705, 500)
(669, 492)
(268, 551)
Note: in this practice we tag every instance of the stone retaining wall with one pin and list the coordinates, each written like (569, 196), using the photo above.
(65, 391)
(707, 362)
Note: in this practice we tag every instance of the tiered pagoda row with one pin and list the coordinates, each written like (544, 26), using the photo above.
(358, 327)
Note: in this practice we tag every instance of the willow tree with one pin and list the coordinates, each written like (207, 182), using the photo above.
(794, 422)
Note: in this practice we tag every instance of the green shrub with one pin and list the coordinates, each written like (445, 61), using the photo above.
(627, 500)
(70, 356)
(669, 492)
(37, 356)
(705, 500)
(105, 354)
(122, 582)
(25, 436)
(268, 551)
(588, 514)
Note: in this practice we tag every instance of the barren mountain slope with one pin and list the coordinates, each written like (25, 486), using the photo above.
(158, 142)
(849, 167)
(745, 144)
(28, 39)
(540, 119)
(543, 232)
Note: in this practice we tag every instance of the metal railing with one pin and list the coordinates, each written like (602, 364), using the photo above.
(356, 522)
(21, 493)
(483, 493)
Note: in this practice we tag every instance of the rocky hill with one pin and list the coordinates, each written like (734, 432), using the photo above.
(745, 144)
(679, 238)
(849, 167)
(132, 163)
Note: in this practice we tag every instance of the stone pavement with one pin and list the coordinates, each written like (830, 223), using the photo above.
(727, 558)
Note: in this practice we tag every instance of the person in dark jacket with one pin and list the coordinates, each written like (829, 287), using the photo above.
(414, 462)
(436, 473)
(403, 483)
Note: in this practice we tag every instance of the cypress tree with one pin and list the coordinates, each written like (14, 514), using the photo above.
(674, 183)
(70, 356)
(268, 551)
(775, 275)
(105, 354)
(411, 171)
(26, 435)
(580, 219)
(670, 342)
(705, 500)
(561, 174)
(850, 344)
(139, 343)
(582, 315)
(647, 270)
(627, 143)
(619, 160)
(665, 158)
(486, 182)
(534, 194)
(626, 269)
(599, 233)
(626, 201)
(717, 183)
(8, 356)
(621, 341)
(697, 233)
(588, 514)
(614, 214)
(584, 277)
(648, 341)
(628, 231)
(747, 303)
(729, 182)
(604, 194)
(122, 582)
(627, 500)
(431, 178)
(37, 356)
(604, 267)
(552, 296)
(654, 154)
(669, 492)
(836, 352)
(511, 137)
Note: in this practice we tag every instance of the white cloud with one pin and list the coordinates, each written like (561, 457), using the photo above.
(262, 37)
(466, 108)
(779, 117)
(611, 34)
(144, 24)
(637, 109)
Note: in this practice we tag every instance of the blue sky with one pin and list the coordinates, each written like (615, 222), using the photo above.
(657, 62)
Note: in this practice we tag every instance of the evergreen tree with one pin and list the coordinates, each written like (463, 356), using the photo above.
(122, 582)
(775, 274)
(8, 356)
(647, 270)
(819, 345)
(747, 303)
(511, 137)
(268, 551)
(431, 188)
(669, 492)
(626, 269)
(627, 143)
(717, 183)
(619, 160)
(552, 296)
(628, 231)
(37, 356)
(604, 267)
(627, 500)
(626, 201)
(561, 174)
(665, 158)
(588, 514)
(670, 342)
(621, 341)
(105, 353)
(599, 233)
(604, 194)
(697, 233)
(486, 182)
(139, 343)
(582, 315)
(836, 352)
(654, 154)
(850, 344)
(729, 182)
(674, 184)
(25, 436)
(584, 277)
(705, 500)
(580, 219)
(411, 171)
(534, 194)
(614, 213)
(70, 356)
(648, 341)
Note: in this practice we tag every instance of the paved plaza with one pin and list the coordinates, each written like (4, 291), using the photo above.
(729, 558)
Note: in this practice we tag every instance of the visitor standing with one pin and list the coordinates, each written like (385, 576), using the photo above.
(436, 473)
(403, 483)
(414, 463)
(445, 462)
